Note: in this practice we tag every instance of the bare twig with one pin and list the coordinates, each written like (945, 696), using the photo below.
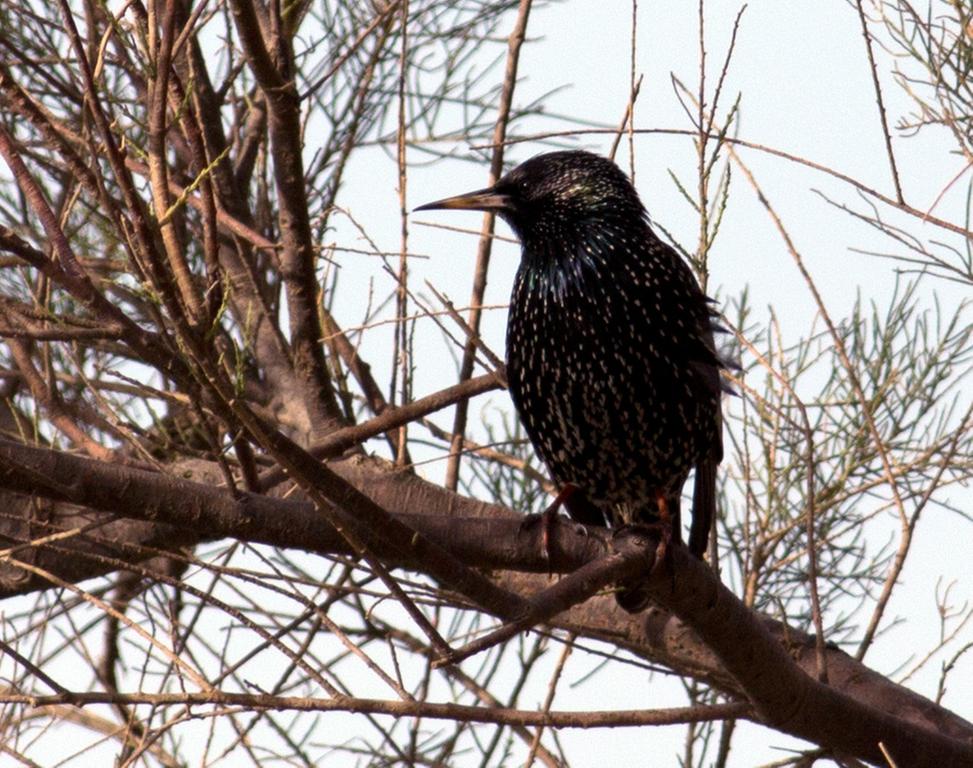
(514, 43)
(881, 103)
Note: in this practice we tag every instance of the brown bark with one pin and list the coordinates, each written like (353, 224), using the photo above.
(715, 637)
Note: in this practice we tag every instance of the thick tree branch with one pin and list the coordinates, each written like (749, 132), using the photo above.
(297, 253)
(727, 644)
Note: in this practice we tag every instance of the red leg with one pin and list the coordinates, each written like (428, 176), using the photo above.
(549, 515)
(567, 491)
(663, 552)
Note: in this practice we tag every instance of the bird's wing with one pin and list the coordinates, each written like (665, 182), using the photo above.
(706, 363)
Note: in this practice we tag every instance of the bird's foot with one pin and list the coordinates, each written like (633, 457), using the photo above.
(548, 518)
(663, 552)
(649, 531)
(661, 530)
(633, 595)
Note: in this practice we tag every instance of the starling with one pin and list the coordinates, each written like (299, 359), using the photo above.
(610, 356)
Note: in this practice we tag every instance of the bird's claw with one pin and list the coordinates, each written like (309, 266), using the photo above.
(663, 550)
(548, 519)
(663, 553)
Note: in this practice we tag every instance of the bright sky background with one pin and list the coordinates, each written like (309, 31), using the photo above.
(806, 88)
(801, 68)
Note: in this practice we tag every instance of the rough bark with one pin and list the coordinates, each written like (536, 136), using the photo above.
(125, 513)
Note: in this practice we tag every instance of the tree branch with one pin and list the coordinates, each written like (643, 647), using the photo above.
(718, 639)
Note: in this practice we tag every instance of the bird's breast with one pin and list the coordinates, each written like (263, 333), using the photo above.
(595, 377)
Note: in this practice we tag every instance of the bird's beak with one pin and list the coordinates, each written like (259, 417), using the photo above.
(482, 200)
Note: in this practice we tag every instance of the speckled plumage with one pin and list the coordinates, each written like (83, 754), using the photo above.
(610, 357)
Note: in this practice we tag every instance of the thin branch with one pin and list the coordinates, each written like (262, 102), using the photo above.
(790, 157)
(881, 103)
(484, 249)
(228, 701)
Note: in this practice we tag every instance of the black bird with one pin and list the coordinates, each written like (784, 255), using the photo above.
(610, 355)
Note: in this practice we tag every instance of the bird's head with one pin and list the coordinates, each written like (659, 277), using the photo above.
(558, 196)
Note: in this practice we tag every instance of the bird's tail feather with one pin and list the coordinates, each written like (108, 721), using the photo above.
(704, 506)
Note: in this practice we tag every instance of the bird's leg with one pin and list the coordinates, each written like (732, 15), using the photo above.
(665, 524)
(663, 552)
(549, 516)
